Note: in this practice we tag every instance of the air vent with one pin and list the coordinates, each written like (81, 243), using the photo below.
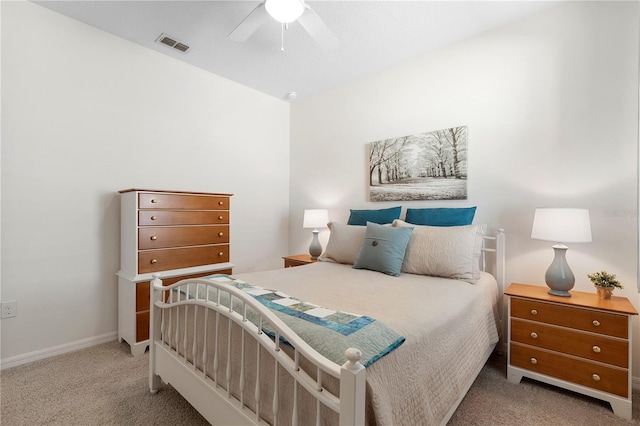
(172, 42)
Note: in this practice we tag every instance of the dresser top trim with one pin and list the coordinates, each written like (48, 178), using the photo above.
(578, 298)
(173, 192)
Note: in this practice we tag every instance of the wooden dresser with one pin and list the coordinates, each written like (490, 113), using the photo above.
(175, 235)
(581, 343)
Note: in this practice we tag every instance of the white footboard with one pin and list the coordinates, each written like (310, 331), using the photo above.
(215, 353)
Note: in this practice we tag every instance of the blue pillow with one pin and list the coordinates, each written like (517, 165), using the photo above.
(441, 216)
(383, 249)
(361, 217)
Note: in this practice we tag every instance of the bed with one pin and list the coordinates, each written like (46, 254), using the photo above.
(238, 360)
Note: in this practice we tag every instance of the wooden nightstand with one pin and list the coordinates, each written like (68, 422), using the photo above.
(581, 343)
(297, 260)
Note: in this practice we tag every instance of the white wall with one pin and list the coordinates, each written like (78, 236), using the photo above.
(86, 114)
(552, 108)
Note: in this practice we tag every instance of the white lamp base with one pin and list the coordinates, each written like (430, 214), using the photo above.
(559, 277)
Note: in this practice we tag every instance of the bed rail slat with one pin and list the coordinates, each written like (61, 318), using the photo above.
(205, 354)
(228, 371)
(258, 395)
(186, 324)
(243, 372)
(216, 350)
(276, 395)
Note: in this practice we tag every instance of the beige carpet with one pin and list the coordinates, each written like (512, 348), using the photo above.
(105, 385)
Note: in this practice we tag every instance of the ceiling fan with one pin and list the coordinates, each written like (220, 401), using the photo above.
(285, 12)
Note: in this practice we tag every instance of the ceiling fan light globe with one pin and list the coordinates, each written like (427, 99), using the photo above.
(284, 11)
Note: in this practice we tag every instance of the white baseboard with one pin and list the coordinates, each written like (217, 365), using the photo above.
(14, 361)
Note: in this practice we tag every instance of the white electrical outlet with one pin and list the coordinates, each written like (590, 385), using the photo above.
(9, 309)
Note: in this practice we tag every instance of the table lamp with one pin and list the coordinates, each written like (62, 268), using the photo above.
(562, 225)
(315, 218)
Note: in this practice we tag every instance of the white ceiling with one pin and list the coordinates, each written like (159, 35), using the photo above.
(373, 35)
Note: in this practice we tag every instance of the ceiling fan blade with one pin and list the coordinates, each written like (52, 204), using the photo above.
(250, 24)
(317, 29)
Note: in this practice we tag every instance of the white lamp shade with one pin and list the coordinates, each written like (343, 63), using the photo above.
(562, 225)
(284, 11)
(315, 218)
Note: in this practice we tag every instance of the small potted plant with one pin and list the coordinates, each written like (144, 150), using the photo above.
(605, 283)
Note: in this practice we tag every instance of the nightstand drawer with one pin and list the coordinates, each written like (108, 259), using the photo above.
(586, 345)
(179, 201)
(181, 236)
(582, 319)
(594, 375)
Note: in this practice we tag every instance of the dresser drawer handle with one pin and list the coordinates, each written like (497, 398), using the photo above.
(153, 238)
(221, 254)
(154, 217)
(534, 361)
(534, 335)
(153, 200)
(595, 377)
(596, 323)
(220, 217)
(220, 234)
(597, 349)
(220, 203)
(154, 261)
(534, 312)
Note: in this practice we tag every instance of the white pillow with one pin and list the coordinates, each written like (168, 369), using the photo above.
(344, 243)
(444, 251)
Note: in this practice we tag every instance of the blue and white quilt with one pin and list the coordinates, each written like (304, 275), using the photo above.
(327, 331)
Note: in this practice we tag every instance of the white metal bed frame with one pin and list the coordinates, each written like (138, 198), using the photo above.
(172, 361)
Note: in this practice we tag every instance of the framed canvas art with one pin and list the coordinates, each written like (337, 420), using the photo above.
(424, 166)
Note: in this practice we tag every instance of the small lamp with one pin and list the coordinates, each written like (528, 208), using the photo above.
(561, 226)
(315, 218)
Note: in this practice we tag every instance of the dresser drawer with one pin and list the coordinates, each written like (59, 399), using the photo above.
(178, 201)
(582, 319)
(590, 374)
(586, 345)
(166, 259)
(174, 217)
(181, 236)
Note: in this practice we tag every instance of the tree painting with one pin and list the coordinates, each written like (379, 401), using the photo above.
(425, 166)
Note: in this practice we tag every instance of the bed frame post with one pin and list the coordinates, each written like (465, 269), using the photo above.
(500, 260)
(352, 389)
(154, 333)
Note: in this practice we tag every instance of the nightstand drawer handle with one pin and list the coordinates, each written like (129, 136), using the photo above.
(153, 200)
(153, 238)
(220, 234)
(221, 254)
(154, 261)
(595, 377)
(597, 349)
(154, 217)
(534, 335)
(534, 312)
(534, 361)
(596, 323)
